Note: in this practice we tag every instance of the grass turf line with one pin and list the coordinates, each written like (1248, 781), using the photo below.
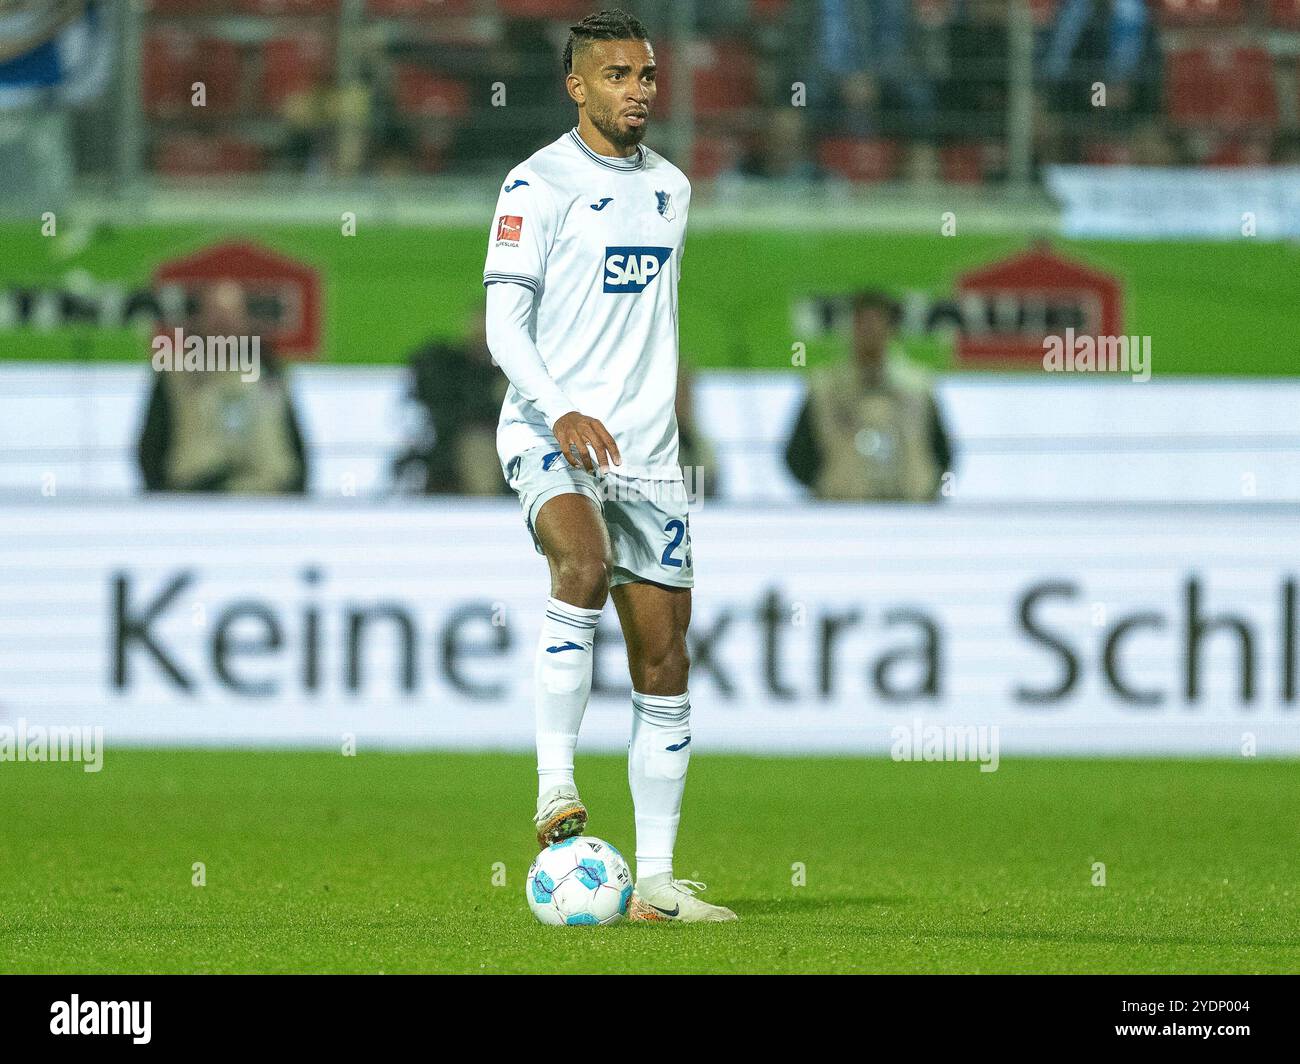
(383, 862)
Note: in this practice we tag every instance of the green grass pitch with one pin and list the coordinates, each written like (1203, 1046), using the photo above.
(383, 862)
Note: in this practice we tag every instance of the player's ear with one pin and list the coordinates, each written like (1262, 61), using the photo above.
(576, 89)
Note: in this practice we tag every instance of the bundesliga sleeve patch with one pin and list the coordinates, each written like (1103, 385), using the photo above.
(509, 226)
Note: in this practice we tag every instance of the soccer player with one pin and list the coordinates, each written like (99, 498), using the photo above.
(582, 266)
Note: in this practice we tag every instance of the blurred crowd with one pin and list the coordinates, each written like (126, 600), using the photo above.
(854, 90)
(860, 90)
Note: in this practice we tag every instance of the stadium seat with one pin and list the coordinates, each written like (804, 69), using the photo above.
(725, 78)
(866, 161)
(1108, 153)
(167, 53)
(712, 155)
(1042, 12)
(1285, 13)
(424, 94)
(431, 153)
(194, 155)
(174, 60)
(292, 65)
(1201, 12)
(768, 10)
(1224, 88)
(1234, 151)
(962, 164)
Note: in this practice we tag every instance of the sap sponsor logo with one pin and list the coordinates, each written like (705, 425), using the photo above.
(509, 229)
(102, 1017)
(631, 269)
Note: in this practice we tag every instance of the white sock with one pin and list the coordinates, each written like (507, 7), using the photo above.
(561, 687)
(657, 759)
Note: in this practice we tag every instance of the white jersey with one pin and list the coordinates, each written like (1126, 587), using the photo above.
(600, 241)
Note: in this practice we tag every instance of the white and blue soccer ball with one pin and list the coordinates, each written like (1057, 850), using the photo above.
(580, 880)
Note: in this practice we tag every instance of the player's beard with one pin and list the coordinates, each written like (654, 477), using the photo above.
(606, 124)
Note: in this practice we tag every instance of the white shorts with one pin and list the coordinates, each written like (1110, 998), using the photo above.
(648, 520)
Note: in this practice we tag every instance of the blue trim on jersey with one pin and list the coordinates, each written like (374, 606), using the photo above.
(632, 163)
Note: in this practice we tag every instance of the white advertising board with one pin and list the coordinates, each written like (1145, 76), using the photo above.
(1074, 630)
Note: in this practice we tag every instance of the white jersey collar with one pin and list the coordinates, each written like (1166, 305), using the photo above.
(632, 162)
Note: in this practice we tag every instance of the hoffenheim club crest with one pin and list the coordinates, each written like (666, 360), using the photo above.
(666, 205)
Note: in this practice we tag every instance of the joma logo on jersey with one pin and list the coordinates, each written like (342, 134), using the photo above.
(631, 269)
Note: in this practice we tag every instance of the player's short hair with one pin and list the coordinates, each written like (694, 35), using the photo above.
(612, 25)
(877, 299)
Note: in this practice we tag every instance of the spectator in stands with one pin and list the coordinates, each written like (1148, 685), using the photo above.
(974, 92)
(527, 63)
(55, 58)
(780, 150)
(870, 428)
(457, 392)
(1113, 43)
(212, 430)
(861, 63)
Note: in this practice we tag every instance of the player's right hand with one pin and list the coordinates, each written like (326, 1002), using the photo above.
(579, 435)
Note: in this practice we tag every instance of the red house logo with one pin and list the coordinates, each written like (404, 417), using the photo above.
(284, 295)
(1011, 307)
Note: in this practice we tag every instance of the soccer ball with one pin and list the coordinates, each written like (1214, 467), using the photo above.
(580, 880)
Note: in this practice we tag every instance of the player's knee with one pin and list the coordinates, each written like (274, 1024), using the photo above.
(664, 669)
(582, 580)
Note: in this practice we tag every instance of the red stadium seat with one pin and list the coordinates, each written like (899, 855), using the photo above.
(293, 65)
(725, 79)
(191, 155)
(1237, 152)
(1201, 12)
(288, 7)
(174, 61)
(1222, 87)
(167, 53)
(768, 10)
(1042, 12)
(962, 164)
(867, 161)
(1108, 153)
(712, 155)
(431, 154)
(1285, 13)
(422, 93)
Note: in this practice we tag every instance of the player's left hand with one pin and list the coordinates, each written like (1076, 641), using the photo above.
(576, 432)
